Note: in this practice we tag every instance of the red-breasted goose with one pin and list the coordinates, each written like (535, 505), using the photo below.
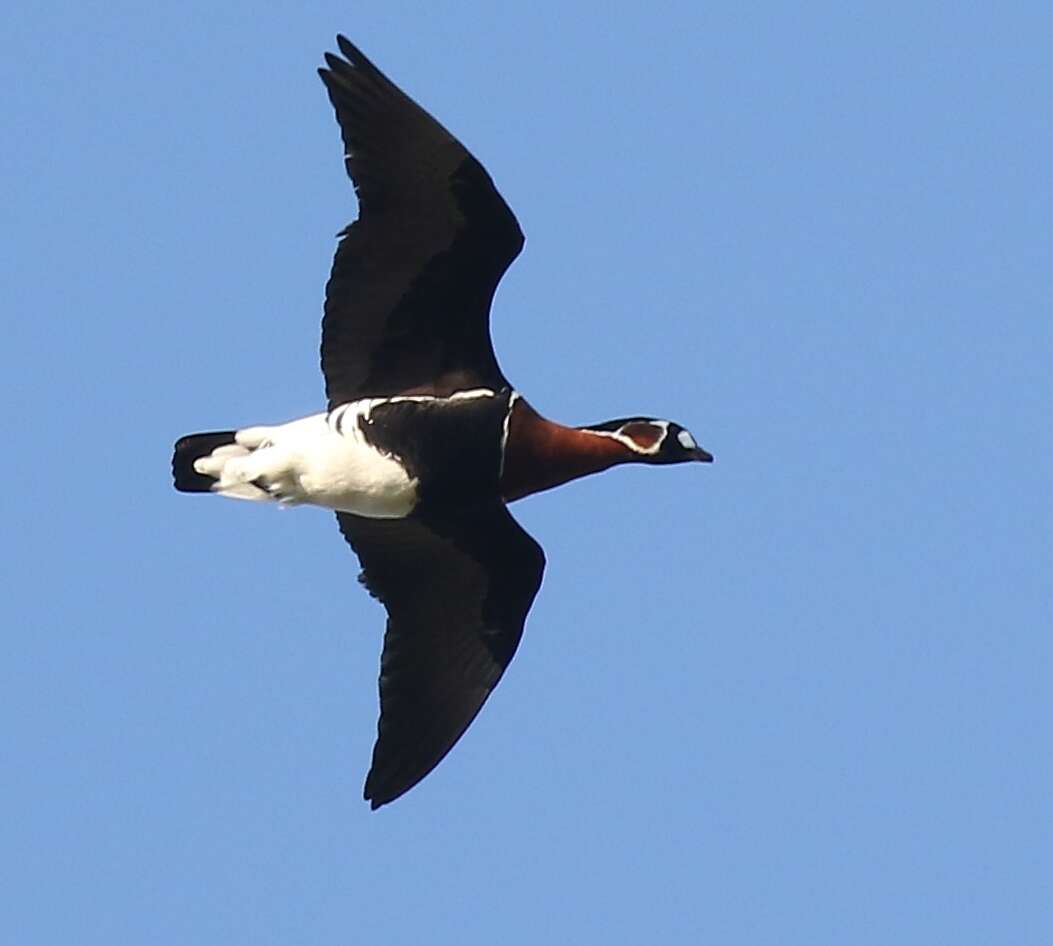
(424, 440)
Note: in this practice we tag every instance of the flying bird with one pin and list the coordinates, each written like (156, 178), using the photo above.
(424, 441)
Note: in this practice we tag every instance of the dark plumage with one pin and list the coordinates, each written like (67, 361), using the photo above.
(407, 306)
(471, 578)
(425, 441)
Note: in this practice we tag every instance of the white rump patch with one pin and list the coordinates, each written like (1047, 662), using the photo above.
(686, 440)
(311, 462)
(213, 464)
(320, 460)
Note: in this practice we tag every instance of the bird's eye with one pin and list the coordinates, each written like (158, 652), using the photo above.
(686, 440)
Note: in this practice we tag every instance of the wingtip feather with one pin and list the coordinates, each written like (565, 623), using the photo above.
(354, 59)
(334, 62)
(346, 46)
(375, 797)
(352, 53)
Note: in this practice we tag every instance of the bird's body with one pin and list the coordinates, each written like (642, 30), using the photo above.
(368, 457)
(424, 441)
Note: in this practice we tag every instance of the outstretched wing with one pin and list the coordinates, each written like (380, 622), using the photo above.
(457, 591)
(407, 305)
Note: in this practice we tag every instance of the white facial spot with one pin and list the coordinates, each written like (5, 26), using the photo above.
(686, 440)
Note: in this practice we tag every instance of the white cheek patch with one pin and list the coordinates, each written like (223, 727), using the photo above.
(686, 440)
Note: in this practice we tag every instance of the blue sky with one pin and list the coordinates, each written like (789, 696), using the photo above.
(800, 697)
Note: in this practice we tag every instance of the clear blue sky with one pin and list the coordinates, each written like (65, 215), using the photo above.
(799, 697)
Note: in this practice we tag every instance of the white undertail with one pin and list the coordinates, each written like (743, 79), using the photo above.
(320, 460)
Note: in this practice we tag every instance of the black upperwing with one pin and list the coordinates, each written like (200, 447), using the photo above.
(407, 305)
(457, 592)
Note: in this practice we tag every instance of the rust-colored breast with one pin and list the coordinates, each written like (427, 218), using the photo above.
(540, 454)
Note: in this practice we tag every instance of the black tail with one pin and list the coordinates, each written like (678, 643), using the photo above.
(190, 448)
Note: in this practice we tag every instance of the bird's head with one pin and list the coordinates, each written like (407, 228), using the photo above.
(653, 440)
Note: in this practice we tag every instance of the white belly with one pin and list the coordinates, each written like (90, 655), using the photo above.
(308, 461)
